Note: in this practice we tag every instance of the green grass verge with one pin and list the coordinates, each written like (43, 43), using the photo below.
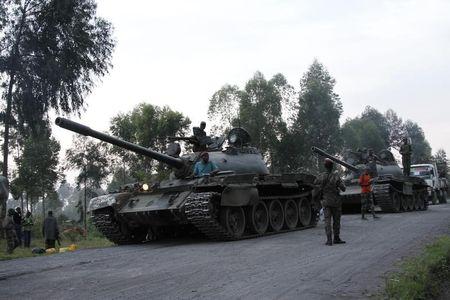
(422, 277)
(89, 242)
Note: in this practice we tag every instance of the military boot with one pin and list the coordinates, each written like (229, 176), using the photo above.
(329, 242)
(337, 240)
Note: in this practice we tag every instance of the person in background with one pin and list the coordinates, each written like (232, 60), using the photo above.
(27, 227)
(18, 224)
(365, 181)
(50, 230)
(10, 231)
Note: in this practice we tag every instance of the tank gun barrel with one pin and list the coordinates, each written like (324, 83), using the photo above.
(335, 159)
(87, 131)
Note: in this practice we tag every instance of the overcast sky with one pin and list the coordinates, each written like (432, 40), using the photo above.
(386, 54)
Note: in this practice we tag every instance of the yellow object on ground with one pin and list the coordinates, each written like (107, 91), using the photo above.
(72, 247)
(62, 250)
(50, 250)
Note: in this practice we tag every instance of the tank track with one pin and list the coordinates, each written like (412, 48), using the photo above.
(111, 229)
(382, 193)
(201, 213)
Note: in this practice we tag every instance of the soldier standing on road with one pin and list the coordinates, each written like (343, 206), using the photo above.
(365, 181)
(10, 232)
(50, 230)
(405, 151)
(330, 183)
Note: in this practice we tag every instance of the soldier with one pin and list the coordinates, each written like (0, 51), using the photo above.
(205, 167)
(201, 140)
(50, 230)
(330, 183)
(365, 181)
(10, 232)
(405, 151)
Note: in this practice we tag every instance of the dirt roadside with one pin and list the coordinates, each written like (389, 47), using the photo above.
(293, 265)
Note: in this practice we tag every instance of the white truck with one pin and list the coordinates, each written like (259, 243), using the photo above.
(437, 187)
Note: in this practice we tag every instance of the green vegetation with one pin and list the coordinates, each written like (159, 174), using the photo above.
(422, 277)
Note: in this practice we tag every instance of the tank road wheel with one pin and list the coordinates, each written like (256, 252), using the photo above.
(233, 220)
(396, 201)
(259, 217)
(404, 202)
(276, 215)
(304, 212)
(443, 197)
(416, 201)
(410, 202)
(291, 214)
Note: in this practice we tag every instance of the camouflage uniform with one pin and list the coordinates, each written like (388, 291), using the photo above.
(330, 183)
(405, 151)
(10, 233)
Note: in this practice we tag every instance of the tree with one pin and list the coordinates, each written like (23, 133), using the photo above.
(223, 110)
(441, 160)
(148, 126)
(396, 128)
(262, 108)
(51, 51)
(38, 168)
(317, 119)
(421, 150)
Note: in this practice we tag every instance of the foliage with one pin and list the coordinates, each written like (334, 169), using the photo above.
(422, 277)
(421, 150)
(441, 160)
(148, 126)
(89, 157)
(51, 52)
(223, 110)
(317, 120)
(38, 169)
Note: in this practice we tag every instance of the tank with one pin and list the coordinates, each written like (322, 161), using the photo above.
(242, 200)
(392, 191)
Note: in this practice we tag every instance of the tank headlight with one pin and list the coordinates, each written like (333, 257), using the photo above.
(233, 138)
(145, 187)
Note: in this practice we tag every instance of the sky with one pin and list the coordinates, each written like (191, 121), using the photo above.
(386, 54)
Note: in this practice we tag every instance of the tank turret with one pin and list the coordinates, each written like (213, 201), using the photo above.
(335, 159)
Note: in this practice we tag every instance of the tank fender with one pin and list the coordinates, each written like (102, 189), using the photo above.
(239, 195)
(109, 200)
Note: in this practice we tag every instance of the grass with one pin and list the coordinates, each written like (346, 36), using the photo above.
(89, 242)
(422, 277)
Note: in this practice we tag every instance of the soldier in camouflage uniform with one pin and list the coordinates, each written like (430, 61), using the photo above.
(330, 183)
(405, 151)
(9, 227)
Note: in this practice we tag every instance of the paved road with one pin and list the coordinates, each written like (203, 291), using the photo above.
(293, 265)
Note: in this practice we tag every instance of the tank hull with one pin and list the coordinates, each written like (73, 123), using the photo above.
(389, 194)
(228, 207)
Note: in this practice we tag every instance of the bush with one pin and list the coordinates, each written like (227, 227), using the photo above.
(422, 277)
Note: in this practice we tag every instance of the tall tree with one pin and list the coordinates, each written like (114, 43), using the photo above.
(260, 108)
(441, 160)
(51, 51)
(421, 150)
(319, 110)
(38, 167)
(148, 126)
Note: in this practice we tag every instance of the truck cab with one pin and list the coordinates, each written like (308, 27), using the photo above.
(436, 187)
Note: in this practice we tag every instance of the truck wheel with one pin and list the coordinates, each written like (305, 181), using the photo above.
(433, 198)
(443, 198)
